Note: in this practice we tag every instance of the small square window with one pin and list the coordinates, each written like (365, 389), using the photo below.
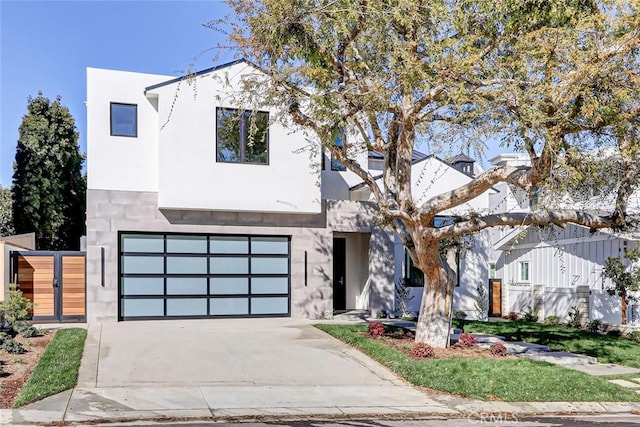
(124, 120)
(242, 136)
(338, 142)
(524, 271)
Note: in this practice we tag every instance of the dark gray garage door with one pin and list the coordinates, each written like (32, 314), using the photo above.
(189, 275)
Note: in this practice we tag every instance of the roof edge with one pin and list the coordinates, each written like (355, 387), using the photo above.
(196, 74)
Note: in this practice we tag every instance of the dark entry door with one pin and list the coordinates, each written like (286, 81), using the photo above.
(53, 281)
(339, 273)
(495, 297)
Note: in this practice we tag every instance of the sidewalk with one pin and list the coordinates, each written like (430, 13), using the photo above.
(116, 384)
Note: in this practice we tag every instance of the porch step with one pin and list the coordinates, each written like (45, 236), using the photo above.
(488, 338)
(563, 358)
(352, 315)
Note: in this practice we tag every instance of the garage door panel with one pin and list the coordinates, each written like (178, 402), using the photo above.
(199, 275)
(277, 305)
(229, 306)
(143, 307)
(142, 286)
(187, 286)
(142, 265)
(229, 265)
(186, 265)
(186, 307)
(229, 285)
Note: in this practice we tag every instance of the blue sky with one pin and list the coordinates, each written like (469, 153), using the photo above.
(47, 45)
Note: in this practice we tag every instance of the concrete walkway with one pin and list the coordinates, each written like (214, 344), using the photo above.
(257, 368)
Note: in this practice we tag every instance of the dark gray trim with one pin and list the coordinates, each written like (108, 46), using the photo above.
(196, 74)
(111, 104)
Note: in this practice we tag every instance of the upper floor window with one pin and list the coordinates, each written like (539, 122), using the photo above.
(242, 136)
(338, 142)
(124, 119)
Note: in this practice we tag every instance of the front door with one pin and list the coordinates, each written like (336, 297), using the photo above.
(495, 297)
(339, 273)
(53, 281)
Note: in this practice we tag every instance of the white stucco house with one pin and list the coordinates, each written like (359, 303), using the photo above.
(188, 216)
(551, 270)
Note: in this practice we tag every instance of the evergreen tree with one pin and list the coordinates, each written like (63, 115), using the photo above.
(48, 188)
(6, 213)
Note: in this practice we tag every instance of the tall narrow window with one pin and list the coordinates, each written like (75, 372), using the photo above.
(492, 271)
(242, 136)
(339, 143)
(124, 119)
(524, 271)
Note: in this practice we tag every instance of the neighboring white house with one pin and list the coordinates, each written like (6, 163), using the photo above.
(551, 270)
(189, 216)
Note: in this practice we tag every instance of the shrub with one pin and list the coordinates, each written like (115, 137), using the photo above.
(634, 336)
(375, 329)
(614, 333)
(467, 340)
(11, 346)
(15, 307)
(511, 316)
(422, 351)
(552, 320)
(529, 315)
(498, 349)
(574, 317)
(27, 331)
(594, 326)
(459, 314)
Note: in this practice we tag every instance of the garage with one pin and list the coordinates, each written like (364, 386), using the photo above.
(166, 275)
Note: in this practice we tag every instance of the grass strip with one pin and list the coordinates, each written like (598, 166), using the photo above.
(511, 380)
(57, 369)
(608, 349)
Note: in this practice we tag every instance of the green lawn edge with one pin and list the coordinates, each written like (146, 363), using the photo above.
(607, 349)
(510, 380)
(57, 369)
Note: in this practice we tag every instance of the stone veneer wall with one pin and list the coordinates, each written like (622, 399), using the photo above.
(109, 212)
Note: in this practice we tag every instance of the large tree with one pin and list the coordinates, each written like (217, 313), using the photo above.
(6, 212)
(551, 78)
(48, 188)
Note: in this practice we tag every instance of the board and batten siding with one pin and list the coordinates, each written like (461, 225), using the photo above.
(561, 258)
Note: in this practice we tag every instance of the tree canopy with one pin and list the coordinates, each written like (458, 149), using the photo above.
(6, 213)
(48, 187)
(555, 79)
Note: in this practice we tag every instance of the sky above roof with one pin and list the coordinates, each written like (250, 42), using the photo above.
(47, 46)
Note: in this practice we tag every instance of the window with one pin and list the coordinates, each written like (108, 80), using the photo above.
(492, 271)
(242, 136)
(124, 120)
(338, 142)
(524, 271)
(413, 277)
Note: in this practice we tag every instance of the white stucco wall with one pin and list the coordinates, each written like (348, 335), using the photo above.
(191, 178)
(116, 162)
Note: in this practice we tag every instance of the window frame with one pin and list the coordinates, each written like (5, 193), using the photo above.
(135, 119)
(521, 270)
(336, 165)
(242, 142)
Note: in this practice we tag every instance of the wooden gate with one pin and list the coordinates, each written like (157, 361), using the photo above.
(54, 282)
(495, 297)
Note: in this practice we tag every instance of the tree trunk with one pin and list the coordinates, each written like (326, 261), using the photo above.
(434, 322)
(623, 310)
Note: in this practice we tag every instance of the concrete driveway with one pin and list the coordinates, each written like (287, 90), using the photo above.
(232, 367)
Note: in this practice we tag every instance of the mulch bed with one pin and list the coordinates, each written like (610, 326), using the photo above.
(18, 367)
(404, 340)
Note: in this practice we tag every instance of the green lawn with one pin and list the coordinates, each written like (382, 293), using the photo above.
(606, 349)
(57, 369)
(512, 380)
